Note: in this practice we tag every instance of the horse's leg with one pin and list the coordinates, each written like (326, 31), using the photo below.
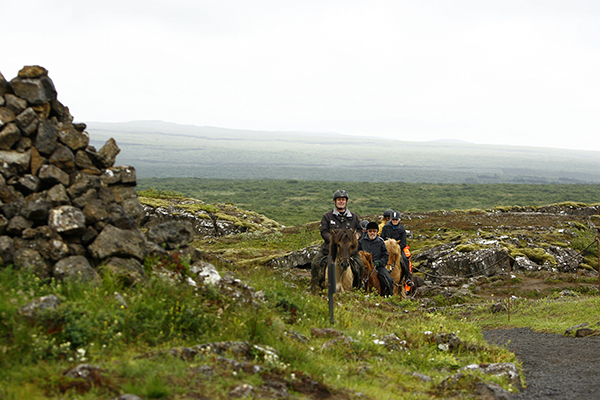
(348, 279)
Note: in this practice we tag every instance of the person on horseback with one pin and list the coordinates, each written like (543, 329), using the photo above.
(363, 225)
(386, 217)
(374, 244)
(338, 218)
(393, 229)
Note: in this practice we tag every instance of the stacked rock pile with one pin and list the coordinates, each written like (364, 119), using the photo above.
(65, 209)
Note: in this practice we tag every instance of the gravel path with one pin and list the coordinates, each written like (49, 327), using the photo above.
(555, 366)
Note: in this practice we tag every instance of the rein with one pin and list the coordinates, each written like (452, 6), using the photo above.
(365, 280)
(399, 284)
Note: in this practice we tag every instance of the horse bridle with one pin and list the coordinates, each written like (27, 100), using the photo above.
(365, 280)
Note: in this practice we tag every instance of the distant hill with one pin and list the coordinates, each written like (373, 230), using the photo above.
(161, 149)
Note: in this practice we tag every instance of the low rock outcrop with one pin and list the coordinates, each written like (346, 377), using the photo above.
(65, 208)
(207, 220)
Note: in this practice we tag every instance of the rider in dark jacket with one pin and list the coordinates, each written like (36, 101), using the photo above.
(374, 244)
(393, 229)
(338, 218)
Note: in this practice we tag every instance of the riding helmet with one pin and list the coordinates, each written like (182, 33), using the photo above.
(340, 193)
(388, 213)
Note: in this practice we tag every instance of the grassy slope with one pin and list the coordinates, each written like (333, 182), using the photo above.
(93, 326)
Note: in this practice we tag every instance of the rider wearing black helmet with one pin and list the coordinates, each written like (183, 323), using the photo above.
(386, 217)
(373, 243)
(338, 218)
(393, 229)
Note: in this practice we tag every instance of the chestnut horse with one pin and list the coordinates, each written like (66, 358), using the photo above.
(370, 278)
(394, 266)
(342, 244)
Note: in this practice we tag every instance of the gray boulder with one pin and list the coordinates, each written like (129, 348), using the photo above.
(9, 135)
(28, 121)
(63, 158)
(45, 141)
(296, 259)
(96, 210)
(507, 370)
(113, 241)
(57, 195)
(6, 250)
(171, 234)
(28, 184)
(34, 308)
(72, 138)
(16, 162)
(108, 153)
(206, 272)
(15, 104)
(75, 268)
(52, 248)
(36, 208)
(52, 175)
(31, 260)
(67, 220)
(36, 91)
(127, 270)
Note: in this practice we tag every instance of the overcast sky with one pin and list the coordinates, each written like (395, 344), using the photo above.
(517, 72)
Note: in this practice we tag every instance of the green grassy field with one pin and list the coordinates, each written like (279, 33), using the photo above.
(295, 202)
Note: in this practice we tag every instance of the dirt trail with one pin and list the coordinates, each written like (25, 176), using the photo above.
(555, 366)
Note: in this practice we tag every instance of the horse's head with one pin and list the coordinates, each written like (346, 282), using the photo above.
(343, 243)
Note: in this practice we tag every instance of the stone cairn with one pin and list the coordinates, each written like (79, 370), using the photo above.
(65, 209)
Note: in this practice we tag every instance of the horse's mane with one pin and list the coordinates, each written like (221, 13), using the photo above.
(344, 234)
(393, 249)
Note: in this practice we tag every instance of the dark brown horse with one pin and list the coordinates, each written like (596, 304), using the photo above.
(342, 245)
(370, 278)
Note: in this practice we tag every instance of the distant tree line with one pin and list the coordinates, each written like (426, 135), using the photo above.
(294, 202)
